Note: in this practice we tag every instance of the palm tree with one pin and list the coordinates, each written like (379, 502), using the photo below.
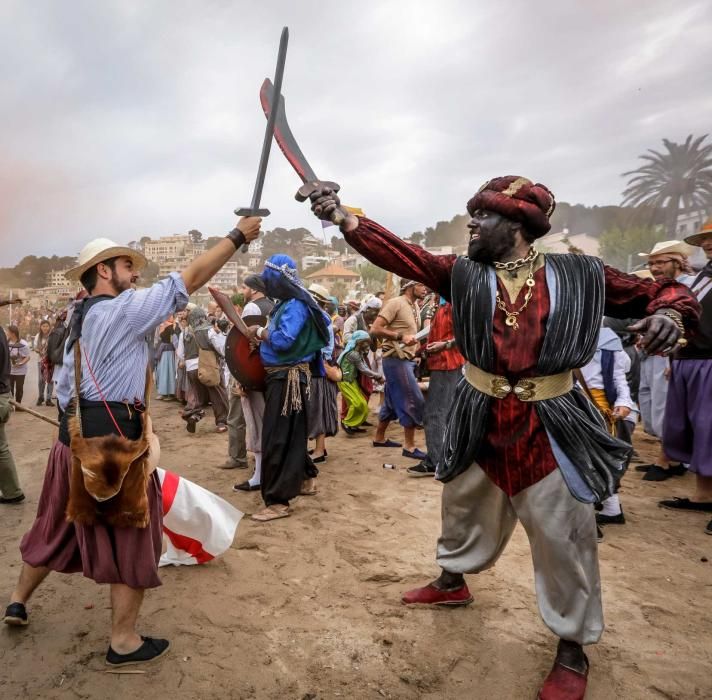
(678, 179)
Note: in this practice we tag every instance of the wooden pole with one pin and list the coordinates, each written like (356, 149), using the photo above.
(389, 287)
(20, 407)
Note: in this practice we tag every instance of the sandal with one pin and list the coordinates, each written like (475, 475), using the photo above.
(150, 650)
(687, 504)
(272, 513)
(308, 488)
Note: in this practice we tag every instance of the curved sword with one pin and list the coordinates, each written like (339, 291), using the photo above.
(288, 145)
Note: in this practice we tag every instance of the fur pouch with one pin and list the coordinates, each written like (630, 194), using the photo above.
(109, 479)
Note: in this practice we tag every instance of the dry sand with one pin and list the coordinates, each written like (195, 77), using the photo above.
(308, 606)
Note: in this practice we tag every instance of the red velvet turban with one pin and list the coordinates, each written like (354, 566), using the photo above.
(518, 199)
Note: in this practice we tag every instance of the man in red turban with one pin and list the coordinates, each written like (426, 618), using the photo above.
(522, 442)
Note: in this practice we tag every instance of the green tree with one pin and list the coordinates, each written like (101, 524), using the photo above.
(195, 236)
(453, 232)
(620, 247)
(281, 240)
(339, 244)
(339, 290)
(417, 238)
(374, 278)
(678, 179)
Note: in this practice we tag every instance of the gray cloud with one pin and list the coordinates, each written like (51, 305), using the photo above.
(126, 119)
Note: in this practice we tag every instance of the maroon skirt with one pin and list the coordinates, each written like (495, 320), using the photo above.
(101, 552)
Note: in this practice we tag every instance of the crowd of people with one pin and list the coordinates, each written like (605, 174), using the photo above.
(527, 396)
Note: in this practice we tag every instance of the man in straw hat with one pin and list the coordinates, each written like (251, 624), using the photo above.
(687, 431)
(521, 442)
(667, 260)
(397, 323)
(107, 342)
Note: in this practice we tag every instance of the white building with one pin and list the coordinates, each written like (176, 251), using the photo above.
(56, 278)
(227, 277)
(172, 248)
(563, 241)
(165, 267)
(254, 254)
(314, 260)
(689, 222)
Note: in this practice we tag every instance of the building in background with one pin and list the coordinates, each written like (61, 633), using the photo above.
(565, 242)
(332, 275)
(175, 248)
(56, 278)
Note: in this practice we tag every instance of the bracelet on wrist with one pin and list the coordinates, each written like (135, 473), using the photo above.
(237, 238)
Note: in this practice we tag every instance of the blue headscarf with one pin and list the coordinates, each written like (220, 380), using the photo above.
(354, 340)
(283, 283)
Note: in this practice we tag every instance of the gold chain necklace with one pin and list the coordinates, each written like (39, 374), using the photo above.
(512, 316)
(530, 257)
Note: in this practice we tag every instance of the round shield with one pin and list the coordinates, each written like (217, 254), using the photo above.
(243, 362)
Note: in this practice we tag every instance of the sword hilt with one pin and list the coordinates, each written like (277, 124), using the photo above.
(249, 211)
(309, 188)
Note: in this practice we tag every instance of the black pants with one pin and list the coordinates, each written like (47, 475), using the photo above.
(17, 386)
(285, 461)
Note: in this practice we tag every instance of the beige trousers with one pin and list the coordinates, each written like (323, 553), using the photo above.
(478, 520)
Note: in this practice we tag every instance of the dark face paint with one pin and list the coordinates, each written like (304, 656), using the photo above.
(492, 236)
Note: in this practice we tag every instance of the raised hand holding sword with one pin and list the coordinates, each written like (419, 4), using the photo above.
(660, 333)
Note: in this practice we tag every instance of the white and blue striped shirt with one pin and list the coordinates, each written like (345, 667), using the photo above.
(114, 338)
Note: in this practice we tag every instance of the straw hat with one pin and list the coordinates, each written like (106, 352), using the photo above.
(319, 293)
(704, 232)
(101, 249)
(668, 248)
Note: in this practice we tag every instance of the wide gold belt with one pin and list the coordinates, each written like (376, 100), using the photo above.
(530, 389)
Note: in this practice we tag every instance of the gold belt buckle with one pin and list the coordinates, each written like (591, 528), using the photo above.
(500, 387)
(525, 390)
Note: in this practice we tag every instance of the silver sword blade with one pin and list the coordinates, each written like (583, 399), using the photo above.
(254, 208)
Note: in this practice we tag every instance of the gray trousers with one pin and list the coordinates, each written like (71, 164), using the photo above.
(652, 394)
(441, 392)
(253, 408)
(478, 520)
(236, 432)
(9, 483)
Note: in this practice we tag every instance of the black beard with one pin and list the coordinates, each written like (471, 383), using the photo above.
(117, 285)
(491, 248)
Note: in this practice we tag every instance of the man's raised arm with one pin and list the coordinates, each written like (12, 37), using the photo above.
(207, 265)
(386, 250)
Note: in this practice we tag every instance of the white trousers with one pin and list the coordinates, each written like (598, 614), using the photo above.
(478, 520)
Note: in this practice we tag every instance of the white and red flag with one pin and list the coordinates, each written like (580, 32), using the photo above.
(198, 525)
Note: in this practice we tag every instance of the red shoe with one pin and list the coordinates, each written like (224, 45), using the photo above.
(564, 683)
(430, 595)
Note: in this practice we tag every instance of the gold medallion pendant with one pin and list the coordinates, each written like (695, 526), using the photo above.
(512, 316)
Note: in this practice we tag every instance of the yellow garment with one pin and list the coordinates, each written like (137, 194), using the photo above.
(599, 398)
(356, 401)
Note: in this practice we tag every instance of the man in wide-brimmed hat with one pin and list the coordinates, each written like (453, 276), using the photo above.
(670, 259)
(107, 342)
(521, 442)
(666, 260)
(687, 433)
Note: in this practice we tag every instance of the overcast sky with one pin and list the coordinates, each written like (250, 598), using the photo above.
(124, 119)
